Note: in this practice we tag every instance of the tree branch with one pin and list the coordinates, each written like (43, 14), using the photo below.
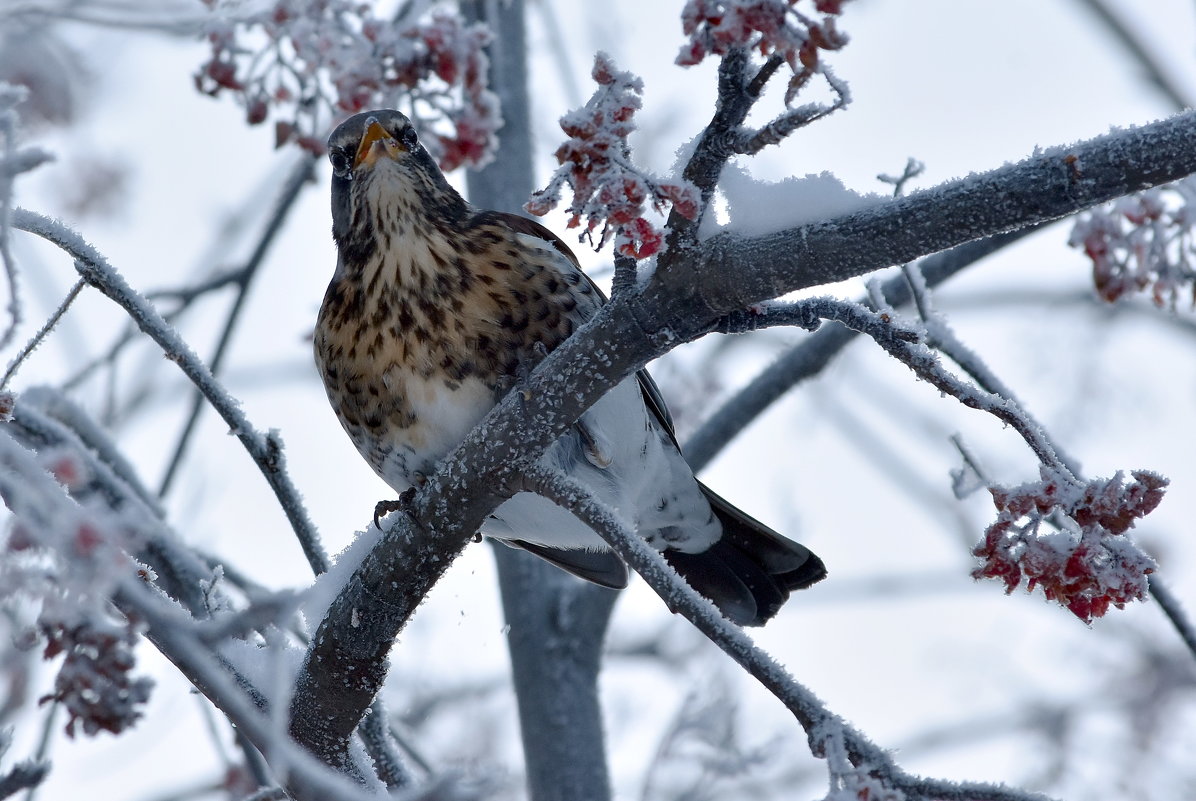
(1044, 187)
(808, 358)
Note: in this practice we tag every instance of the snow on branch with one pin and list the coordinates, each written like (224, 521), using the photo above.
(1144, 242)
(610, 192)
(309, 62)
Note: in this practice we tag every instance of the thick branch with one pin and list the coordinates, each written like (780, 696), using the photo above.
(729, 272)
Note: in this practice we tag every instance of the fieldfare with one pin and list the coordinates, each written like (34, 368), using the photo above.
(437, 308)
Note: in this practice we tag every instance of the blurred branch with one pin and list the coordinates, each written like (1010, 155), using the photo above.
(301, 174)
(557, 624)
(46, 328)
(1140, 51)
(1174, 611)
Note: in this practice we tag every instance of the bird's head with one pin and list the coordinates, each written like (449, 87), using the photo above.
(381, 174)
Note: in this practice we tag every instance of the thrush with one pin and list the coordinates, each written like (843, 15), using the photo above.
(437, 308)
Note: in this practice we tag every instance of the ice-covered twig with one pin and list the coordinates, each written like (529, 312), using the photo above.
(862, 761)
(46, 328)
(749, 143)
(941, 337)
(265, 449)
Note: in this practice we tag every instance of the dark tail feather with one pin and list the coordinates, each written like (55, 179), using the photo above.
(749, 573)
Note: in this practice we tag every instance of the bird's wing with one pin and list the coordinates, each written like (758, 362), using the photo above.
(522, 225)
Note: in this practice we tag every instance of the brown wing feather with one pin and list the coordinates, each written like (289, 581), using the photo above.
(523, 225)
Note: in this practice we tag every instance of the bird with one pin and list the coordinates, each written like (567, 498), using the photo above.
(437, 308)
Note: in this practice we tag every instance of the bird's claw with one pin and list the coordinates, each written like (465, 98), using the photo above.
(383, 508)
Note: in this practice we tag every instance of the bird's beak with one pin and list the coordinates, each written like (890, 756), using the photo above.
(375, 134)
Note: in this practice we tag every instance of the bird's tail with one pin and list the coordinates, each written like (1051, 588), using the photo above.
(751, 570)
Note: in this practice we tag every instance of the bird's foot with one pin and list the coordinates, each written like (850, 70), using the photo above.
(383, 508)
(523, 371)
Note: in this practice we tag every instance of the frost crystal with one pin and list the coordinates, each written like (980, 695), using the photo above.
(1082, 559)
(609, 192)
(311, 61)
(1143, 242)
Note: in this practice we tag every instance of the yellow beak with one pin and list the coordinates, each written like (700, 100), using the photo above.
(375, 134)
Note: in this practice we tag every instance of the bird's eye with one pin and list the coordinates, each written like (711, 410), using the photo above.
(340, 161)
(409, 138)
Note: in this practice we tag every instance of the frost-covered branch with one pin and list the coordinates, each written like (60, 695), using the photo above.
(808, 358)
(42, 332)
(1044, 187)
(857, 767)
(265, 449)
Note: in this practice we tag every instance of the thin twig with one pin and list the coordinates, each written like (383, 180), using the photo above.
(808, 358)
(1140, 51)
(1174, 611)
(32, 344)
